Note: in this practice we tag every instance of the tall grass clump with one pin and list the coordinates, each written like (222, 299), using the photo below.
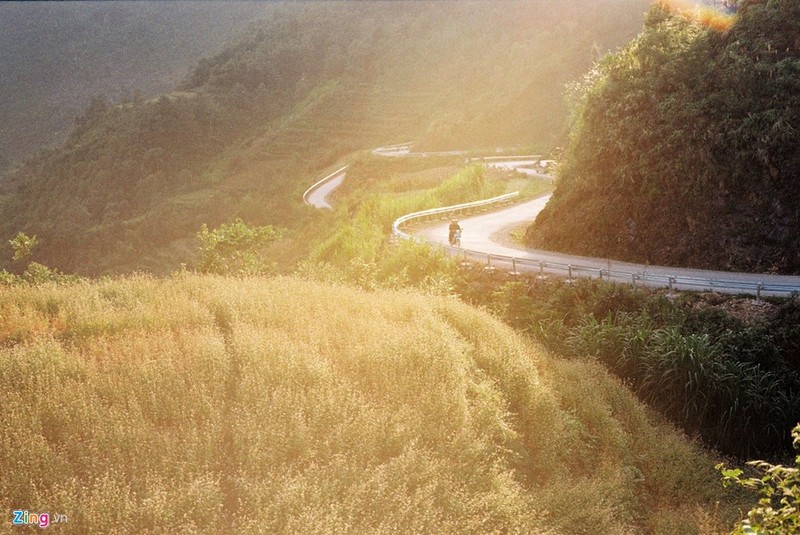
(735, 384)
(740, 407)
(205, 404)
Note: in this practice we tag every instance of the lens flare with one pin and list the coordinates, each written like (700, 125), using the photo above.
(717, 14)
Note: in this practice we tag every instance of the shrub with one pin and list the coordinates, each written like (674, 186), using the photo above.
(23, 245)
(778, 488)
(235, 248)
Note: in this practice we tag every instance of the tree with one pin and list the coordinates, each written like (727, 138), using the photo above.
(23, 245)
(236, 248)
(35, 273)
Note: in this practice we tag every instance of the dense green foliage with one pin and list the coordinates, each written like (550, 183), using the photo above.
(252, 125)
(22, 245)
(735, 383)
(27, 271)
(685, 147)
(778, 487)
(236, 249)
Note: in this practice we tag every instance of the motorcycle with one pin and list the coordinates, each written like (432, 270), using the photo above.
(455, 241)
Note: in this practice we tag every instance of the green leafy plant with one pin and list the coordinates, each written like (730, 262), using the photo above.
(778, 490)
(23, 245)
(235, 248)
(35, 273)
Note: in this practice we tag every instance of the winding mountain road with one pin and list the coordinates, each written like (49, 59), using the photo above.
(489, 232)
(488, 235)
(318, 195)
(486, 239)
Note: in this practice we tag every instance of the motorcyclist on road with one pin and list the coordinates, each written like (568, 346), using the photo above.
(454, 226)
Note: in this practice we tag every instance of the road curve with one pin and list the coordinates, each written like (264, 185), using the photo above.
(488, 234)
(317, 195)
(486, 238)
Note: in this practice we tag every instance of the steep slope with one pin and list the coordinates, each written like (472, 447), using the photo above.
(208, 405)
(315, 81)
(57, 55)
(685, 149)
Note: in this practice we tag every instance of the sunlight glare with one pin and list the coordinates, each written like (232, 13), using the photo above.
(716, 14)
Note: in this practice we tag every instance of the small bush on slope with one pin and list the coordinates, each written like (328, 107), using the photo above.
(778, 490)
(208, 404)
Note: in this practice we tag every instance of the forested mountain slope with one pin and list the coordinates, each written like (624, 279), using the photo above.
(685, 148)
(250, 126)
(57, 55)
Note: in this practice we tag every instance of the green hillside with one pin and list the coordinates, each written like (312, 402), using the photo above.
(218, 405)
(249, 128)
(57, 55)
(685, 149)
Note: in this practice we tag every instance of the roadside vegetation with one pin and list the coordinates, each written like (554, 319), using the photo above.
(733, 381)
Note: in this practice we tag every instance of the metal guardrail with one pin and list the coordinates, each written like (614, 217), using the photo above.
(572, 270)
(456, 209)
(770, 285)
(511, 157)
(320, 182)
(391, 148)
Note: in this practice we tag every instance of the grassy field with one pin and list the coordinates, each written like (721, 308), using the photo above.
(216, 405)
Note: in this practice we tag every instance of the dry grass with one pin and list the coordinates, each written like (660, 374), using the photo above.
(207, 405)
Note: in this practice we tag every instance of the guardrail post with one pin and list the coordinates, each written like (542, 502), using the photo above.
(671, 293)
(759, 287)
(600, 274)
(541, 276)
(569, 274)
(464, 263)
(634, 278)
(513, 271)
(489, 267)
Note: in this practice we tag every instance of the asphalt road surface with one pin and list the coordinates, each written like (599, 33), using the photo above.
(319, 198)
(486, 239)
(488, 234)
